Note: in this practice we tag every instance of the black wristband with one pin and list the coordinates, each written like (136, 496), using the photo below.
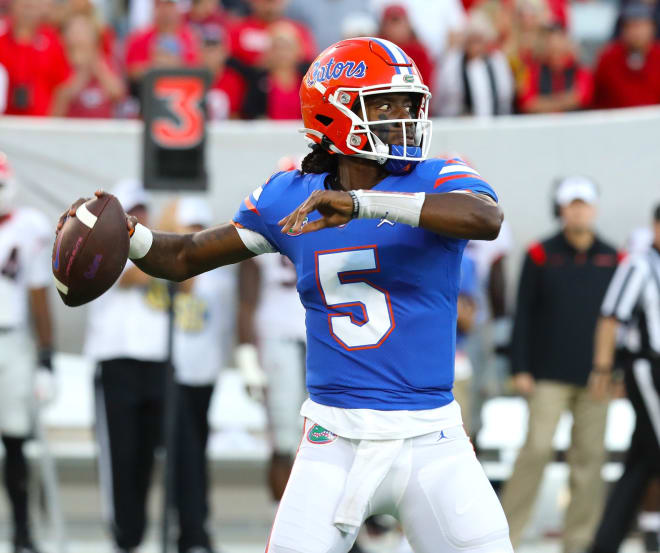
(356, 204)
(45, 358)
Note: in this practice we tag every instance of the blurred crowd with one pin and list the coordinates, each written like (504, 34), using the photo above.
(87, 58)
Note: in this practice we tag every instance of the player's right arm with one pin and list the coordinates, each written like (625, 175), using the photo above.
(178, 257)
(181, 256)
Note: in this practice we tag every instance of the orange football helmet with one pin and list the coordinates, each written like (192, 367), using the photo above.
(339, 80)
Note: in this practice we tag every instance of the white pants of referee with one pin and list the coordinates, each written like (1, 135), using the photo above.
(435, 487)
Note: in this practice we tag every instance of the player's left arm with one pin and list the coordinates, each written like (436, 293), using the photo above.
(44, 386)
(466, 215)
(38, 280)
(462, 215)
(42, 321)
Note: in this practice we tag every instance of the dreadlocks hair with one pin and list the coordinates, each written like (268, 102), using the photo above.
(319, 160)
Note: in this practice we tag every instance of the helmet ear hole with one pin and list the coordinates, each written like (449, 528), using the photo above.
(323, 119)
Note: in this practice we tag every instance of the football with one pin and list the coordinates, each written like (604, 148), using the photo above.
(90, 250)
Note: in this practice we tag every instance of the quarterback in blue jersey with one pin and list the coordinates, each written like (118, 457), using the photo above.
(376, 232)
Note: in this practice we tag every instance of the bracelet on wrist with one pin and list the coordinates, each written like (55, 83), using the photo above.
(356, 204)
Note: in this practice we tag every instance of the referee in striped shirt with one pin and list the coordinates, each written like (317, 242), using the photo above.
(633, 299)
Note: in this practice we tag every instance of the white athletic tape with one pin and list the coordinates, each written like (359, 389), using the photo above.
(140, 243)
(85, 216)
(398, 207)
(61, 287)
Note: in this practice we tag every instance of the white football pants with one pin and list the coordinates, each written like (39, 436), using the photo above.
(435, 487)
(17, 364)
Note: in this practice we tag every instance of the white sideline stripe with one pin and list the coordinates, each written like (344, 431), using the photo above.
(458, 169)
(85, 216)
(61, 286)
(642, 372)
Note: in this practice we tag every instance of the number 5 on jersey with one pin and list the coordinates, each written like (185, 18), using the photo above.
(341, 276)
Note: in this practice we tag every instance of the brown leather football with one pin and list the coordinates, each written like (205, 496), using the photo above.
(90, 250)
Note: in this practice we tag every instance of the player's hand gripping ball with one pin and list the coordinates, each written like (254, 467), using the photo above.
(91, 248)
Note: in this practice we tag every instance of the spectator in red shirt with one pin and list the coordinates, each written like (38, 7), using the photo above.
(557, 82)
(519, 27)
(395, 26)
(169, 42)
(33, 59)
(628, 71)
(206, 12)
(224, 99)
(95, 87)
(250, 40)
(88, 9)
(276, 92)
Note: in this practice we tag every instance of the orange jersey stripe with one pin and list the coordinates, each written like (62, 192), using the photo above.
(250, 205)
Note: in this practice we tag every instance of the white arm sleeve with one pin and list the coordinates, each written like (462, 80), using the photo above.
(255, 242)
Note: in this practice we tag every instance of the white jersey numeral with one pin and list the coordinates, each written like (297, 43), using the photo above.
(342, 277)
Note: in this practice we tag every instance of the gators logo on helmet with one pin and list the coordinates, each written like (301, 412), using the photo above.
(332, 100)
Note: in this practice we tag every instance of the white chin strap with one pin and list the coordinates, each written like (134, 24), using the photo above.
(382, 150)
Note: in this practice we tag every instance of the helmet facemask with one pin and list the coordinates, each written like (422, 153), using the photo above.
(364, 139)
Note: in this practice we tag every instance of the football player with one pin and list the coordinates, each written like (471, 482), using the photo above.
(271, 354)
(376, 233)
(24, 279)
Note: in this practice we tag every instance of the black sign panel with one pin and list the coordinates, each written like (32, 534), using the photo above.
(174, 129)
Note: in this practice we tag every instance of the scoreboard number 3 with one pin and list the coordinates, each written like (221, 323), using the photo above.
(182, 96)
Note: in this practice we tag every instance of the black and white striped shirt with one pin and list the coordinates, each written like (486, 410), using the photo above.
(633, 298)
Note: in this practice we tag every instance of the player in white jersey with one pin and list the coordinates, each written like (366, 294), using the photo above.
(271, 319)
(25, 243)
(203, 322)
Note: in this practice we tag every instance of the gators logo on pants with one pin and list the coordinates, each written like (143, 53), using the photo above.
(319, 435)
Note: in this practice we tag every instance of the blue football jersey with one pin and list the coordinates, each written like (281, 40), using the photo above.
(468, 285)
(380, 298)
